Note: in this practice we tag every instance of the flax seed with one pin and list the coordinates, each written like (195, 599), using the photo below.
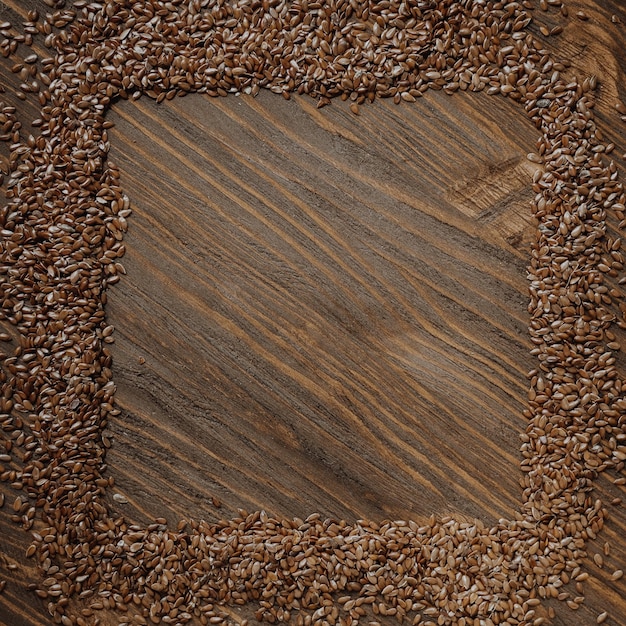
(357, 52)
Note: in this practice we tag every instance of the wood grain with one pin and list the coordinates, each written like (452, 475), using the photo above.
(316, 299)
(327, 312)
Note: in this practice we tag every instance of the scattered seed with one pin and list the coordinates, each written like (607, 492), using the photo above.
(62, 230)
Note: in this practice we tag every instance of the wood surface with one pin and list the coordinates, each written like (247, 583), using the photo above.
(326, 312)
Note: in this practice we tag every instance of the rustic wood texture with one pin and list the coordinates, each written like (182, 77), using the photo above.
(314, 291)
(326, 312)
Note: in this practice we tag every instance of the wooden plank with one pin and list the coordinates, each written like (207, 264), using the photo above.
(327, 312)
(303, 293)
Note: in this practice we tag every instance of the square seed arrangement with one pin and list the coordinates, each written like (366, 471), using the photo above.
(62, 233)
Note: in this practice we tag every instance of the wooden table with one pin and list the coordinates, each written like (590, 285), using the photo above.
(326, 312)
